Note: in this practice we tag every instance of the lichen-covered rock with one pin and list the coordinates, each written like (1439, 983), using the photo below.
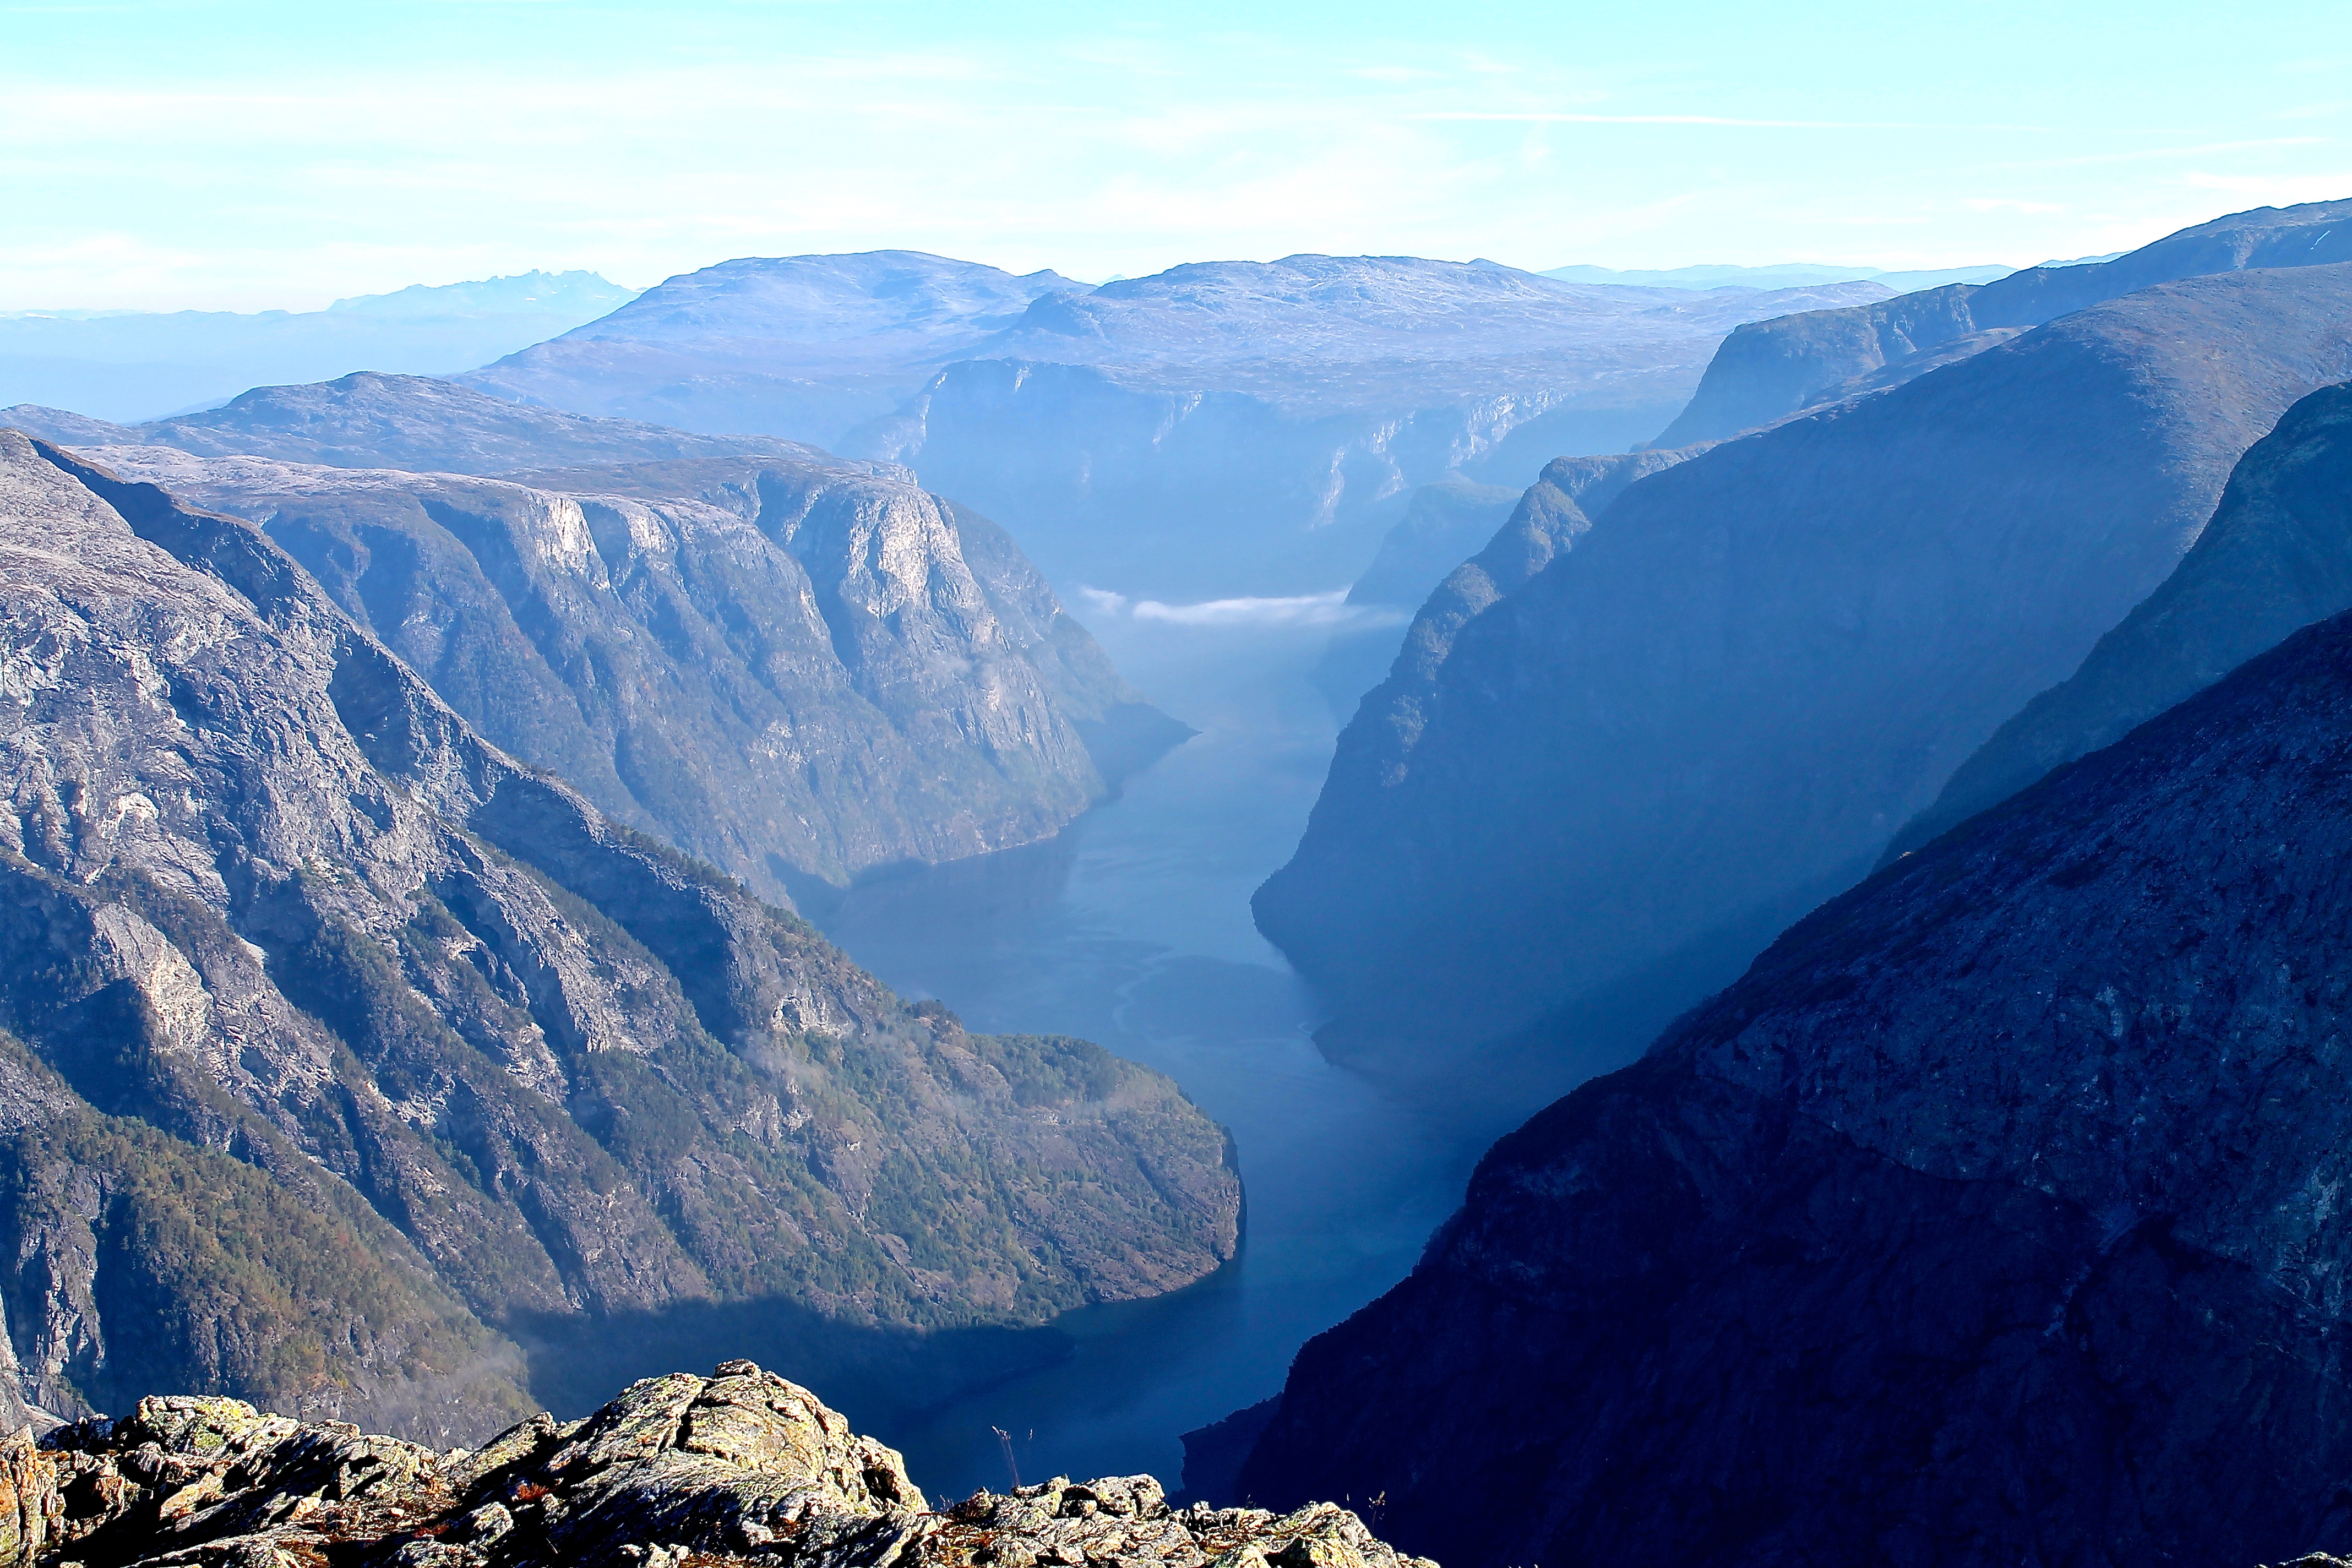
(741, 1465)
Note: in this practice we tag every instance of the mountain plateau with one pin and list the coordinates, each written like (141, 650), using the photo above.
(1235, 427)
(804, 346)
(796, 667)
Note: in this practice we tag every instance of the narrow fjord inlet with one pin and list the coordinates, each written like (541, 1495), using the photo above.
(1214, 786)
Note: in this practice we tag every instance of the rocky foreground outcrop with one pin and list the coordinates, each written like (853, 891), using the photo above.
(741, 1467)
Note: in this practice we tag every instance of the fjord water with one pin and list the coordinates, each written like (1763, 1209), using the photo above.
(1133, 929)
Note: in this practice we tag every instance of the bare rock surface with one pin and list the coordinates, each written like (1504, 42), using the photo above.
(298, 958)
(739, 1467)
(1994, 1216)
(790, 665)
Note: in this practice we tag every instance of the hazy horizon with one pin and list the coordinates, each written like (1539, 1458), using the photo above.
(265, 155)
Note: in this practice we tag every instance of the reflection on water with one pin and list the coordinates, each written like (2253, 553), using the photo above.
(1131, 929)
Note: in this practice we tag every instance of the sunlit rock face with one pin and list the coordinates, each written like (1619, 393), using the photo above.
(800, 346)
(795, 666)
(797, 670)
(1232, 428)
(334, 1034)
(739, 1467)
(1994, 1216)
(1718, 706)
(1772, 369)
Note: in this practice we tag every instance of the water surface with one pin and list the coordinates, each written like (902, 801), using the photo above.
(1133, 929)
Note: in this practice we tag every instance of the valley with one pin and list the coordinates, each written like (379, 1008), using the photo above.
(1506, 917)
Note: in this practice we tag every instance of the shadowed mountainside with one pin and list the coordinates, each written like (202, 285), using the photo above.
(1989, 1218)
(1721, 705)
(1768, 370)
(277, 911)
(2276, 556)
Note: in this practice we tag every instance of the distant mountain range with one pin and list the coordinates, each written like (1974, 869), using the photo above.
(1785, 275)
(1772, 369)
(140, 365)
(801, 346)
(1239, 427)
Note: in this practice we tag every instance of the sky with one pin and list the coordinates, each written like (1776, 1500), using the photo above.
(211, 154)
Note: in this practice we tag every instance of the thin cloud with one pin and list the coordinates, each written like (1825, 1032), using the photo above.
(1545, 117)
(1320, 610)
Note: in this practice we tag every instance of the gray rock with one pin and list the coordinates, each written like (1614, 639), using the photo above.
(739, 1467)
(271, 900)
(1717, 707)
(794, 668)
(1992, 1217)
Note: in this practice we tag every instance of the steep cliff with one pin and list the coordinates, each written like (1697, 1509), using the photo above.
(1757, 664)
(1235, 427)
(2277, 556)
(794, 669)
(795, 665)
(1992, 1217)
(267, 895)
(739, 1467)
(1768, 370)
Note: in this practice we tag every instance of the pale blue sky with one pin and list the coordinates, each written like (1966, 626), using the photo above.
(206, 152)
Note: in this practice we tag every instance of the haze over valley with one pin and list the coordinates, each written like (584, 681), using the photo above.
(1254, 787)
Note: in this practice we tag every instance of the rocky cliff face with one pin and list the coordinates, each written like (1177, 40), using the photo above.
(1232, 428)
(801, 346)
(1992, 1217)
(1768, 370)
(2277, 556)
(795, 666)
(739, 1467)
(269, 896)
(1721, 705)
(795, 669)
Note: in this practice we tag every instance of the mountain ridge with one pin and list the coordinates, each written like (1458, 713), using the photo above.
(1717, 707)
(269, 896)
(1982, 1220)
